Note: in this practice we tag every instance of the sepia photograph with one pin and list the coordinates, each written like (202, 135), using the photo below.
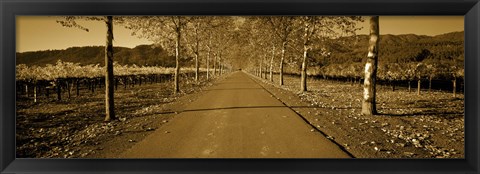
(315, 87)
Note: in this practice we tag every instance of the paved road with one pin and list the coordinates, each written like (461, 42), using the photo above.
(236, 118)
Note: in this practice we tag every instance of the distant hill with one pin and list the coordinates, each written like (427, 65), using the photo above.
(398, 48)
(392, 48)
(140, 55)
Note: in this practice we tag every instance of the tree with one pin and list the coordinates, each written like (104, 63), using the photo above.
(369, 93)
(271, 63)
(409, 74)
(193, 39)
(394, 73)
(218, 32)
(323, 29)
(456, 72)
(420, 71)
(70, 21)
(258, 38)
(164, 30)
(282, 27)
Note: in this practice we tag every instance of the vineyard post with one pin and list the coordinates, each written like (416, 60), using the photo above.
(429, 83)
(68, 88)
(454, 81)
(409, 86)
(47, 92)
(77, 86)
(133, 81)
(91, 84)
(393, 85)
(59, 89)
(35, 88)
(116, 83)
(26, 89)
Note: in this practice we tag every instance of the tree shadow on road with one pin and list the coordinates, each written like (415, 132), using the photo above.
(449, 114)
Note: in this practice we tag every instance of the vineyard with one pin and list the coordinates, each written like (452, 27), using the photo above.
(445, 76)
(67, 78)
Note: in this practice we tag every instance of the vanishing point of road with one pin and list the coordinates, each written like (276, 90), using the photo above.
(236, 118)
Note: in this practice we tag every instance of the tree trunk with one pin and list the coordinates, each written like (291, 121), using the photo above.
(261, 68)
(196, 67)
(303, 81)
(265, 70)
(271, 62)
(219, 64)
(196, 53)
(284, 47)
(215, 65)
(222, 69)
(109, 102)
(177, 61)
(208, 58)
(418, 86)
(369, 91)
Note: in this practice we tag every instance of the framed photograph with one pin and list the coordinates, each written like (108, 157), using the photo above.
(239, 86)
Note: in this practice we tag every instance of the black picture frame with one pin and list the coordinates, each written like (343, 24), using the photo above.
(11, 8)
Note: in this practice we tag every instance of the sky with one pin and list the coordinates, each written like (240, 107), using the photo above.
(35, 33)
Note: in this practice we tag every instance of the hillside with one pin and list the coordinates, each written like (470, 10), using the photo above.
(397, 49)
(140, 55)
(393, 48)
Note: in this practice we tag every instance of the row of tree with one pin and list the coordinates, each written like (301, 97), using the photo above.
(315, 42)
(265, 43)
(182, 36)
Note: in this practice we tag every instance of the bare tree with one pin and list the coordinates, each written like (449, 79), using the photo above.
(70, 21)
(271, 62)
(193, 38)
(164, 30)
(283, 27)
(322, 28)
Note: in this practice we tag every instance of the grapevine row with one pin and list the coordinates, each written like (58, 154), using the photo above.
(70, 78)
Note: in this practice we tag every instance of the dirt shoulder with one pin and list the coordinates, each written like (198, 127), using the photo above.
(409, 126)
